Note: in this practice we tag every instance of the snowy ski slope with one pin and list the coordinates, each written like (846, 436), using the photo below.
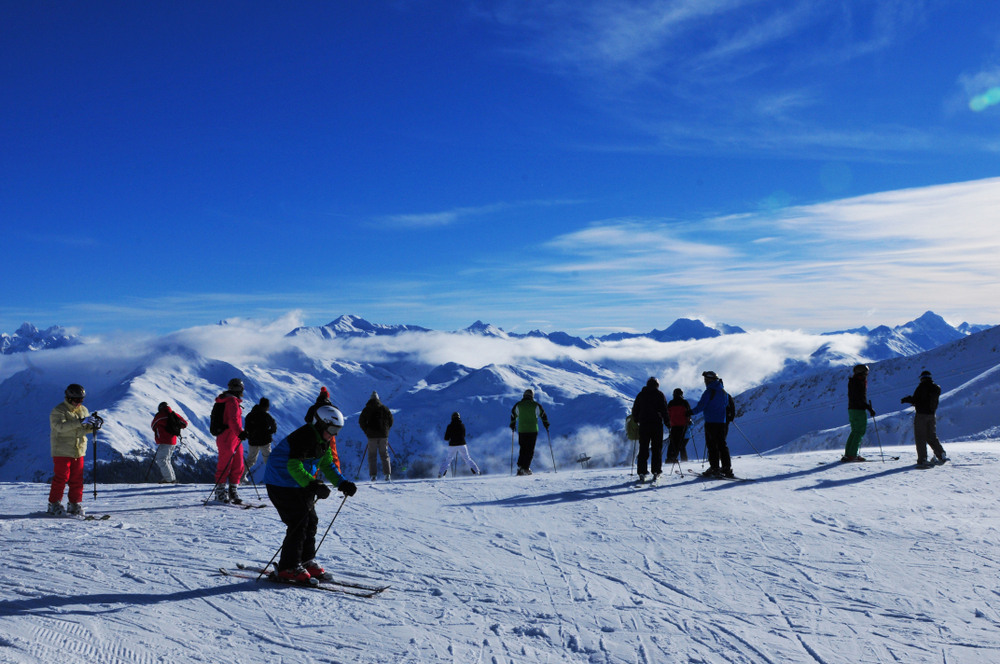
(815, 562)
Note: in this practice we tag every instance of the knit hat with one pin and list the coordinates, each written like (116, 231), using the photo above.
(264, 403)
(375, 395)
(529, 394)
(323, 392)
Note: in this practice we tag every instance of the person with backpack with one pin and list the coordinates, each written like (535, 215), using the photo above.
(730, 408)
(925, 402)
(524, 417)
(260, 428)
(293, 484)
(454, 433)
(650, 411)
(166, 425)
(69, 424)
(322, 400)
(678, 421)
(714, 403)
(375, 421)
(857, 405)
(227, 427)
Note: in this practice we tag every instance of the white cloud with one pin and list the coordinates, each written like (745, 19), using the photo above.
(902, 252)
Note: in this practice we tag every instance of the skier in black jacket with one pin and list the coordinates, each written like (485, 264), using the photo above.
(650, 411)
(857, 404)
(925, 402)
(260, 428)
(454, 433)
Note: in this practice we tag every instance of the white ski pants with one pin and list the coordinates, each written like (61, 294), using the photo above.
(163, 454)
(460, 450)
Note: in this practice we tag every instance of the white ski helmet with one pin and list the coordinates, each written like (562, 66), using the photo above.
(331, 417)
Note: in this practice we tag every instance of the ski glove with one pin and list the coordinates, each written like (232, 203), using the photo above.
(870, 409)
(513, 427)
(88, 421)
(243, 435)
(320, 490)
(347, 488)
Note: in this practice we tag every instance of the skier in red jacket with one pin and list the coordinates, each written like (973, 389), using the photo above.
(164, 425)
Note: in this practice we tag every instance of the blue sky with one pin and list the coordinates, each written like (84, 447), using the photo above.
(584, 166)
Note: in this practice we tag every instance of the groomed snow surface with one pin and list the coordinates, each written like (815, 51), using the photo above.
(816, 561)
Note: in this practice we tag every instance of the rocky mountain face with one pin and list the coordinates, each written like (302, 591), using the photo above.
(30, 338)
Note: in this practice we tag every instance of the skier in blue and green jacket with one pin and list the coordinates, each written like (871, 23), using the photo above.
(293, 485)
(524, 417)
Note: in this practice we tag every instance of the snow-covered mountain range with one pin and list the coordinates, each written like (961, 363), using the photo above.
(789, 384)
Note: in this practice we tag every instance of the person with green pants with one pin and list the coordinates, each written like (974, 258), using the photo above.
(858, 407)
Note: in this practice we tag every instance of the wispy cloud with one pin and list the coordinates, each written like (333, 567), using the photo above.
(455, 215)
(901, 252)
(723, 74)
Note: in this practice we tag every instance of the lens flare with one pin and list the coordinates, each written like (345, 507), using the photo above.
(989, 98)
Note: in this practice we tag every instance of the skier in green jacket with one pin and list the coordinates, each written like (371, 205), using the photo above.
(524, 418)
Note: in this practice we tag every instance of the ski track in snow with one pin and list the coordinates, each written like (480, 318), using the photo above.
(816, 562)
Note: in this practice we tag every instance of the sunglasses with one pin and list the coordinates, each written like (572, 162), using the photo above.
(74, 400)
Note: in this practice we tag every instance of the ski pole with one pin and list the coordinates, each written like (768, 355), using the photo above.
(254, 482)
(364, 448)
(748, 440)
(879, 438)
(306, 516)
(218, 484)
(331, 524)
(150, 468)
(511, 451)
(550, 450)
(98, 423)
(693, 441)
(631, 462)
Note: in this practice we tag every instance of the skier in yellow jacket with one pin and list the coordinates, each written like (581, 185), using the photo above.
(70, 422)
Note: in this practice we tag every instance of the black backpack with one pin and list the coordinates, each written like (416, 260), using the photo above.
(173, 424)
(217, 423)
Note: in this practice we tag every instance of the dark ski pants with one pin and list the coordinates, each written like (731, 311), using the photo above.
(297, 511)
(678, 444)
(715, 444)
(925, 433)
(526, 452)
(650, 436)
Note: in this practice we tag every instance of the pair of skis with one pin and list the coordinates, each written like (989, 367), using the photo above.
(710, 476)
(326, 583)
(77, 517)
(242, 506)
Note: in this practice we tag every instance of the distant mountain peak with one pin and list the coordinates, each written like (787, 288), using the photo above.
(486, 330)
(682, 329)
(30, 338)
(349, 325)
